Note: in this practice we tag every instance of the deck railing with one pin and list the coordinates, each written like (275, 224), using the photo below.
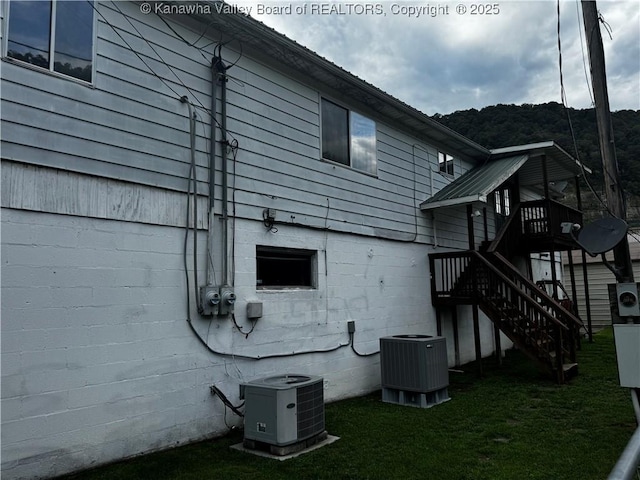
(446, 273)
(544, 217)
(526, 313)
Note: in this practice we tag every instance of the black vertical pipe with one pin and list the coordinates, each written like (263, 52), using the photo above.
(585, 275)
(221, 76)
(212, 137)
(474, 306)
(574, 292)
(456, 336)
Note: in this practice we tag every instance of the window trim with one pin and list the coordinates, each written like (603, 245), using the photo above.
(349, 112)
(5, 10)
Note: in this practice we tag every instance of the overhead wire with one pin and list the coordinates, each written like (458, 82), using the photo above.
(218, 54)
(143, 37)
(192, 180)
(565, 106)
(178, 96)
(584, 62)
(605, 169)
(161, 59)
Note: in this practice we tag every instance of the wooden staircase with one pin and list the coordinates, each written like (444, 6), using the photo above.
(536, 323)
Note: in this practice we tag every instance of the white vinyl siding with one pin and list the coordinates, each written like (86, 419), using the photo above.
(133, 127)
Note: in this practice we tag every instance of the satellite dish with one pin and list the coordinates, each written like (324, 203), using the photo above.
(602, 235)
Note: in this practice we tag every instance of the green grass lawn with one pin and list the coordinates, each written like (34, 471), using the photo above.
(513, 423)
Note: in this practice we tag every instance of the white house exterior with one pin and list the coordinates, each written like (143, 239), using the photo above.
(98, 359)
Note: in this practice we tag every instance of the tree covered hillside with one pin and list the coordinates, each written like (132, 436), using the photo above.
(506, 125)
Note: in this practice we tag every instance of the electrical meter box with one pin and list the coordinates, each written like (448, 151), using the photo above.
(627, 295)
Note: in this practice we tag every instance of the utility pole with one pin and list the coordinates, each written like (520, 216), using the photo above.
(612, 188)
(626, 335)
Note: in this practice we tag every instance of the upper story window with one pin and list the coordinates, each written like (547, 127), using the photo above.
(55, 35)
(445, 163)
(348, 138)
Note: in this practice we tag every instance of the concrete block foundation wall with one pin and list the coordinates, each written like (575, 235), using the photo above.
(99, 363)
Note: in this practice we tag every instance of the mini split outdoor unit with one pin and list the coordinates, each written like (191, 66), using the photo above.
(414, 370)
(283, 409)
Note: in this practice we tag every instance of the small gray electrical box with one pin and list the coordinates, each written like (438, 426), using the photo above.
(254, 310)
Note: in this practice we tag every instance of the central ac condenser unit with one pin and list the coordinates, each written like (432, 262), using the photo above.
(414, 369)
(283, 409)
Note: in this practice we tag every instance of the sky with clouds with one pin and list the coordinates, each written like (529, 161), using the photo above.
(445, 60)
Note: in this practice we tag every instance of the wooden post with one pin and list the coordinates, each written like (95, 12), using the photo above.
(554, 274)
(574, 291)
(474, 306)
(476, 335)
(456, 338)
(484, 224)
(498, 343)
(472, 239)
(585, 279)
(545, 179)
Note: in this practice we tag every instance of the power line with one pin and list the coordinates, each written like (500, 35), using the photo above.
(178, 96)
(158, 55)
(584, 62)
(563, 98)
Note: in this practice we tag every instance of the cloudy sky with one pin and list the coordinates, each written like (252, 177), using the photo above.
(455, 61)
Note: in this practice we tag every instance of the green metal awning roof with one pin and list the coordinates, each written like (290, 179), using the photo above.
(527, 160)
(476, 184)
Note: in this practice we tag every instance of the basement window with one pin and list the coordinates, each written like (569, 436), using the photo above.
(282, 268)
(445, 163)
(57, 36)
(348, 138)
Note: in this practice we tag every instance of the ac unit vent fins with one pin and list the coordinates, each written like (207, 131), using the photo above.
(310, 409)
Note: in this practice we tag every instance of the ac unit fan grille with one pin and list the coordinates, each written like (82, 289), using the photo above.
(310, 399)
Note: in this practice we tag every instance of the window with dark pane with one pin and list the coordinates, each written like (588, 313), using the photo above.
(74, 39)
(285, 267)
(445, 163)
(55, 35)
(29, 32)
(348, 138)
(335, 132)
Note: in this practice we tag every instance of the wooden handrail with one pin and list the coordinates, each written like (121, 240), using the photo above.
(550, 201)
(548, 300)
(529, 300)
(515, 214)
